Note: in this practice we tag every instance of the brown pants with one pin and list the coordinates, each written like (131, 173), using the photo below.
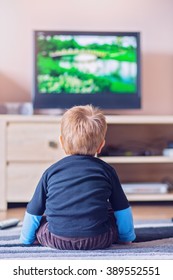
(104, 240)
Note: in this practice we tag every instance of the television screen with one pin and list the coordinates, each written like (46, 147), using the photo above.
(78, 68)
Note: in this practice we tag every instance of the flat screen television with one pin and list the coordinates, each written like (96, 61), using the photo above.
(78, 68)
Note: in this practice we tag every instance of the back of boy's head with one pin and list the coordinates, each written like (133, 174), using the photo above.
(83, 130)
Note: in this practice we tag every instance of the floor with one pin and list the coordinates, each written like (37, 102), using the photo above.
(140, 212)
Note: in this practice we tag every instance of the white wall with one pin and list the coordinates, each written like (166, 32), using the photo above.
(153, 18)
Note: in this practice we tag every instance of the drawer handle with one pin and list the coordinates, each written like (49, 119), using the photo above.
(53, 144)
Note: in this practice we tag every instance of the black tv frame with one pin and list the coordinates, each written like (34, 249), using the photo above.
(104, 101)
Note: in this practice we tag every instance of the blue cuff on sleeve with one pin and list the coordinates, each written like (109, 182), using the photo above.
(124, 222)
(30, 225)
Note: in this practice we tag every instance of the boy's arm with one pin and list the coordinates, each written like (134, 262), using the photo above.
(124, 222)
(30, 225)
(34, 211)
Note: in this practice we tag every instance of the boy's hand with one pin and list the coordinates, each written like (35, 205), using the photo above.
(36, 242)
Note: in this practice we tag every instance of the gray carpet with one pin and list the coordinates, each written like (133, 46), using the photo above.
(162, 248)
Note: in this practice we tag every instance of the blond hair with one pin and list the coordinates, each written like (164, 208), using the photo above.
(83, 130)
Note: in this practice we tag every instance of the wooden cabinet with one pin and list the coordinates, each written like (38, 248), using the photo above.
(29, 144)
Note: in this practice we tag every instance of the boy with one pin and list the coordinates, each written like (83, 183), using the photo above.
(76, 193)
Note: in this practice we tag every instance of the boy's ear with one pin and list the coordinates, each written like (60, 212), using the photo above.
(100, 147)
(61, 142)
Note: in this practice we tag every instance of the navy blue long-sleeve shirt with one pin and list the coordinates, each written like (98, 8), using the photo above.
(75, 193)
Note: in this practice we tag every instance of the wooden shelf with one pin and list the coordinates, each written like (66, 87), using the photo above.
(139, 119)
(140, 159)
(150, 197)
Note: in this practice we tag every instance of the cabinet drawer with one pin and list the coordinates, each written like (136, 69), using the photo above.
(33, 142)
(22, 180)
